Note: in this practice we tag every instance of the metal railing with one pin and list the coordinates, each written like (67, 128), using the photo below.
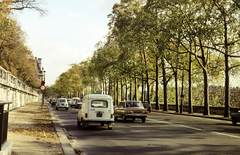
(4, 110)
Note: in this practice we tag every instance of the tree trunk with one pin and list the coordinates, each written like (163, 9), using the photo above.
(227, 87)
(165, 108)
(157, 107)
(114, 93)
(130, 93)
(206, 93)
(135, 96)
(142, 98)
(126, 94)
(190, 110)
(176, 91)
(117, 93)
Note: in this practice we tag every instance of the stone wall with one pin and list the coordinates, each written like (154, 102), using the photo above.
(14, 90)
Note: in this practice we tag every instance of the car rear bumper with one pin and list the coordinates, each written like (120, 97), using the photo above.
(135, 115)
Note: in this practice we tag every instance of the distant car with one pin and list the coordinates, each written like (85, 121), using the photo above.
(54, 101)
(73, 101)
(62, 103)
(131, 109)
(235, 117)
(78, 104)
(69, 101)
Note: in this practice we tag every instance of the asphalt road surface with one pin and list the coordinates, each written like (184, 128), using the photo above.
(161, 134)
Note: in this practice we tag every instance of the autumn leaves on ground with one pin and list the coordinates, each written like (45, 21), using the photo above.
(31, 130)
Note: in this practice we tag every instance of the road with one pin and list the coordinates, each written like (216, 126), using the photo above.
(161, 134)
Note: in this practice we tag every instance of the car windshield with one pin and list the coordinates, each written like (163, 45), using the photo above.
(134, 104)
(99, 104)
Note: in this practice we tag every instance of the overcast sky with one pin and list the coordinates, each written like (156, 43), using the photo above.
(67, 33)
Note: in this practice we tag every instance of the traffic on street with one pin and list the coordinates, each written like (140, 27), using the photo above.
(162, 133)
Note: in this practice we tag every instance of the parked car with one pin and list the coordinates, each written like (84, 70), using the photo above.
(131, 109)
(78, 104)
(235, 117)
(96, 108)
(73, 101)
(62, 103)
(54, 101)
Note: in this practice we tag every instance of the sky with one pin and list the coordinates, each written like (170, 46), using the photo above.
(66, 34)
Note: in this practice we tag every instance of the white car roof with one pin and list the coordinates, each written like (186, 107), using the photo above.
(98, 96)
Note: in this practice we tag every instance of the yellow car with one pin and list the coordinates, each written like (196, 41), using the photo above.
(131, 109)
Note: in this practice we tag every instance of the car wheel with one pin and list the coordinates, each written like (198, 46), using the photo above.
(78, 123)
(234, 121)
(115, 118)
(110, 125)
(56, 108)
(66, 108)
(102, 124)
(124, 118)
(143, 119)
(85, 124)
(52, 105)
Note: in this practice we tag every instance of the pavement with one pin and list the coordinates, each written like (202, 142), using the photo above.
(53, 140)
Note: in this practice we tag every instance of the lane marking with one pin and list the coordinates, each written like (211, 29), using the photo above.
(223, 134)
(189, 127)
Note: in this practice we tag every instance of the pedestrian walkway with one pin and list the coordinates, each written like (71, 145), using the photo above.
(32, 132)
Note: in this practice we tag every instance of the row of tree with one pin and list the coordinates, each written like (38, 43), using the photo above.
(15, 56)
(153, 43)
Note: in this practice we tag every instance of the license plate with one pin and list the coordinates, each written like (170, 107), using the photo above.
(99, 114)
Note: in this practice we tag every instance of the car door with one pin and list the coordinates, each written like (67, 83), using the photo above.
(99, 109)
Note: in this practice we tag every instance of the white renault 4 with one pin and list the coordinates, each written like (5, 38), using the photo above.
(96, 108)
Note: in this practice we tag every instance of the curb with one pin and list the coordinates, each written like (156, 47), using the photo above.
(6, 148)
(194, 115)
(66, 146)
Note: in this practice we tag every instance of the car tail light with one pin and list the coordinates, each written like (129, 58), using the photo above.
(86, 115)
(111, 115)
(130, 112)
(145, 112)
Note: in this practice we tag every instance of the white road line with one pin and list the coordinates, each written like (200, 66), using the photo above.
(190, 127)
(153, 120)
(223, 134)
(184, 126)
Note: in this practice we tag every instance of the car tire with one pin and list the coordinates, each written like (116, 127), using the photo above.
(234, 121)
(110, 125)
(102, 124)
(56, 108)
(85, 124)
(143, 119)
(66, 108)
(78, 123)
(124, 118)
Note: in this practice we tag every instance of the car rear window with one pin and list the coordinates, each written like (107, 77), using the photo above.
(134, 104)
(61, 100)
(99, 104)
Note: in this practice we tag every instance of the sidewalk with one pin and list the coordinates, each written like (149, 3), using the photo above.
(32, 131)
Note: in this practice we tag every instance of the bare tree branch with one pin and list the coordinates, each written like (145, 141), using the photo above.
(29, 4)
